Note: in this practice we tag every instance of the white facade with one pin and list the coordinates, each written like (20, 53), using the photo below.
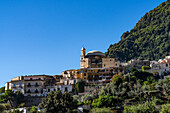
(34, 88)
(165, 66)
(15, 86)
(63, 88)
(38, 85)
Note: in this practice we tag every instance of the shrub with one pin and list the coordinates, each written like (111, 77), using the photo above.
(33, 110)
(2, 108)
(147, 107)
(101, 110)
(106, 101)
(145, 68)
(165, 108)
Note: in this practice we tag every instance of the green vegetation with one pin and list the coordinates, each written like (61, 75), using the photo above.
(15, 98)
(149, 39)
(165, 108)
(145, 68)
(56, 102)
(34, 110)
(139, 89)
(80, 86)
(106, 101)
(147, 107)
(2, 90)
(101, 110)
(4, 107)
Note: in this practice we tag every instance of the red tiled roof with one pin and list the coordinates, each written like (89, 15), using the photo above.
(165, 61)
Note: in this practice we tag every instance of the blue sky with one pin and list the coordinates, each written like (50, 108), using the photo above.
(46, 36)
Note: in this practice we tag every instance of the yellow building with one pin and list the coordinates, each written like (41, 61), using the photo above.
(93, 75)
(96, 59)
(95, 68)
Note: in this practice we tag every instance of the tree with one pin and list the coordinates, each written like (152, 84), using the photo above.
(147, 107)
(6, 96)
(80, 86)
(106, 101)
(118, 87)
(87, 97)
(34, 110)
(56, 102)
(14, 98)
(2, 90)
(133, 69)
(2, 108)
(68, 102)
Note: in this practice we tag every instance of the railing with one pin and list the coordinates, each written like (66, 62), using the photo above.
(20, 86)
(28, 85)
(37, 85)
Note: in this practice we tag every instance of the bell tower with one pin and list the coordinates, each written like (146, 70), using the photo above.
(82, 61)
(83, 52)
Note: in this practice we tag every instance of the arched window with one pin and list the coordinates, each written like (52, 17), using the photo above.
(48, 90)
(29, 91)
(36, 91)
(29, 85)
(36, 84)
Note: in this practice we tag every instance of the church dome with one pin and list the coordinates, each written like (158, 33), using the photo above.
(95, 53)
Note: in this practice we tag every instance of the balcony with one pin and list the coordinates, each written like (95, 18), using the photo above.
(28, 91)
(37, 85)
(36, 91)
(29, 85)
(14, 87)
(20, 87)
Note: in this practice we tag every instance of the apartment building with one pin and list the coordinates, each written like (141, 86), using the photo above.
(165, 65)
(34, 85)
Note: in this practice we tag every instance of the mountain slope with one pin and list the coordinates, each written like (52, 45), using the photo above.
(149, 39)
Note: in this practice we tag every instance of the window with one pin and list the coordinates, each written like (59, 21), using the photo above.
(41, 91)
(29, 85)
(166, 65)
(66, 89)
(13, 85)
(48, 90)
(36, 84)
(29, 91)
(36, 91)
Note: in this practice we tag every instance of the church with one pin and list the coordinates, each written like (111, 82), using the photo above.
(96, 59)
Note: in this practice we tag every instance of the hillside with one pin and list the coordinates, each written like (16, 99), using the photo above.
(149, 39)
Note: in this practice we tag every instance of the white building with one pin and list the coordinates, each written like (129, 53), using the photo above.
(165, 65)
(35, 85)
(55, 88)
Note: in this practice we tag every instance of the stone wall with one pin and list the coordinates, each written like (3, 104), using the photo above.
(32, 100)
